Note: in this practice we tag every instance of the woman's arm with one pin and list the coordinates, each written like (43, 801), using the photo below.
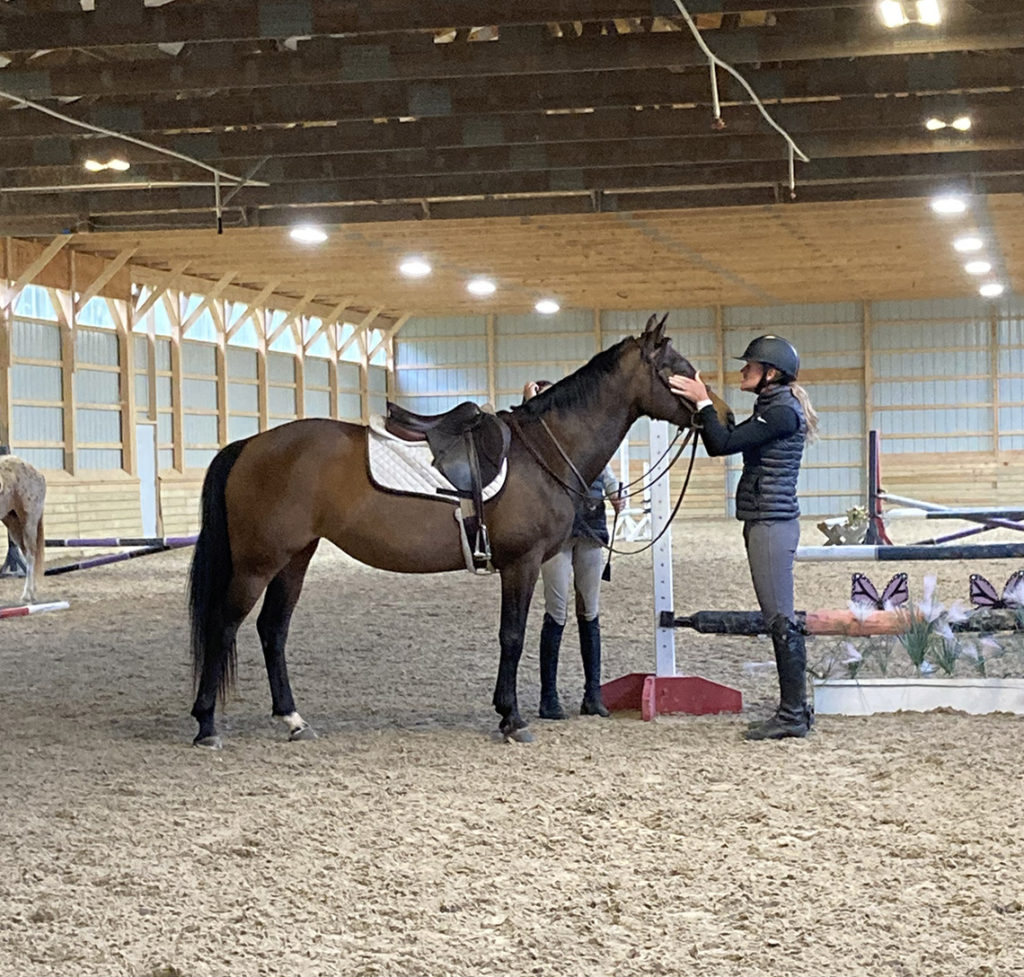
(774, 423)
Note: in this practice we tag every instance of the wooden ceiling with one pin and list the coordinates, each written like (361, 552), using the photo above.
(564, 149)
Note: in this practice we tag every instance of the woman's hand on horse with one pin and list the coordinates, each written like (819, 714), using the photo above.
(689, 388)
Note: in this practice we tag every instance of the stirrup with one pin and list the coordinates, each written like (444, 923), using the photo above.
(482, 550)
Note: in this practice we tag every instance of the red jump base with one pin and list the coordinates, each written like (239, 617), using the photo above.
(663, 695)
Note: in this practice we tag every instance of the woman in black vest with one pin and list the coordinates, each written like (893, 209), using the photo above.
(772, 441)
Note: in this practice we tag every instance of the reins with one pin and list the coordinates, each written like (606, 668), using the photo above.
(586, 494)
(662, 375)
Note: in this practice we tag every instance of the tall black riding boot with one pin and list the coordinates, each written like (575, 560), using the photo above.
(590, 651)
(793, 717)
(550, 642)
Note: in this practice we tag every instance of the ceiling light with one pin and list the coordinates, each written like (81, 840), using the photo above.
(481, 286)
(992, 290)
(95, 166)
(934, 125)
(961, 123)
(968, 243)
(949, 204)
(547, 307)
(929, 12)
(415, 268)
(892, 14)
(978, 267)
(308, 234)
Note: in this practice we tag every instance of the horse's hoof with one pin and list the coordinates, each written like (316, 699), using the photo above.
(305, 733)
(208, 742)
(520, 736)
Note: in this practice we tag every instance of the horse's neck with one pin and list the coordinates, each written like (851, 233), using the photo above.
(591, 436)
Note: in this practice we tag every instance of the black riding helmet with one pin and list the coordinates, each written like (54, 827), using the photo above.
(773, 351)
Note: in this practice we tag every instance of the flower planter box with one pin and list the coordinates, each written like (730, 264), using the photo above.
(863, 697)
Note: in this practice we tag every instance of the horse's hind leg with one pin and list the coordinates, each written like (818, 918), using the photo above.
(32, 545)
(26, 544)
(243, 592)
(272, 625)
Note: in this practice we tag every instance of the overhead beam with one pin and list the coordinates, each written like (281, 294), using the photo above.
(210, 296)
(614, 151)
(110, 269)
(328, 196)
(345, 62)
(9, 294)
(993, 114)
(451, 100)
(113, 25)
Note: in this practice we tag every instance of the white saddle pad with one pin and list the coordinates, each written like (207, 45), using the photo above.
(405, 466)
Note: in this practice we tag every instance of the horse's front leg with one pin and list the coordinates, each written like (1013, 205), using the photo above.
(517, 583)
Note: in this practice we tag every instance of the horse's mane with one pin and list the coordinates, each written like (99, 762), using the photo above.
(579, 388)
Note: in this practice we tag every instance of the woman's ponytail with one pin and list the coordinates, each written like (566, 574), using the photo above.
(810, 414)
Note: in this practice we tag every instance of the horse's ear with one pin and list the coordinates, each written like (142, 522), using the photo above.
(654, 331)
(659, 329)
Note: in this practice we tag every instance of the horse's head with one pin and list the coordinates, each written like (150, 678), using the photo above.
(657, 351)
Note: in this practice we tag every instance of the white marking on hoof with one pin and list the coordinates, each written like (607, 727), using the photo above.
(208, 743)
(298, 728)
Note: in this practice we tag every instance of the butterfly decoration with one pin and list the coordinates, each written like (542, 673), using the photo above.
(983, 594)
(895, 594)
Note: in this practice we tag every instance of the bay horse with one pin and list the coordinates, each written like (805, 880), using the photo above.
(22, 496)
(269, 499)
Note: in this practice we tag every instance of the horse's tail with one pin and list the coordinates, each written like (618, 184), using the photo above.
(39, 565)
(211, 570)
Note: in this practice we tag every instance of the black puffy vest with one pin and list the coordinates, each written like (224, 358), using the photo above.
(590, 521)
(767, 487)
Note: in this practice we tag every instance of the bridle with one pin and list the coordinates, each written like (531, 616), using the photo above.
(662, 373)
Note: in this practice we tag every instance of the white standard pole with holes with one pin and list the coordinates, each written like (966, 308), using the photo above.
(661, 552)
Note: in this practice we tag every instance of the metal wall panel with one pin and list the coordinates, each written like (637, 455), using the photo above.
(281, 402)
(318, 403)
(97, 426)
(198, 359)
(242, 427)
(420, 327)
(97, 387)
(37, 423)
(99, 459)
(243, 398)
(200, 429)
(30, 382)
(280, 367)
(317, 373)
(162, 352)
(199, 394)
(349, 406)
(35, 340)
(242, 364)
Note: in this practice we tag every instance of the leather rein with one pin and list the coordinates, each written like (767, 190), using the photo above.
(662, 375)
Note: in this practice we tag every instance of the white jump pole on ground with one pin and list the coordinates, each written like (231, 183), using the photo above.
(26, 609)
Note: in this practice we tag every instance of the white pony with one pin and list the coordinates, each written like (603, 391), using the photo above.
(22, 495)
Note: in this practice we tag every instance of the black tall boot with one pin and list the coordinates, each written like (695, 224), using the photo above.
(590, 651)
(793, 717)
(550, 642)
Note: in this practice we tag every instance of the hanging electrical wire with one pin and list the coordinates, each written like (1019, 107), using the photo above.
(218, 175)
(715, 61)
